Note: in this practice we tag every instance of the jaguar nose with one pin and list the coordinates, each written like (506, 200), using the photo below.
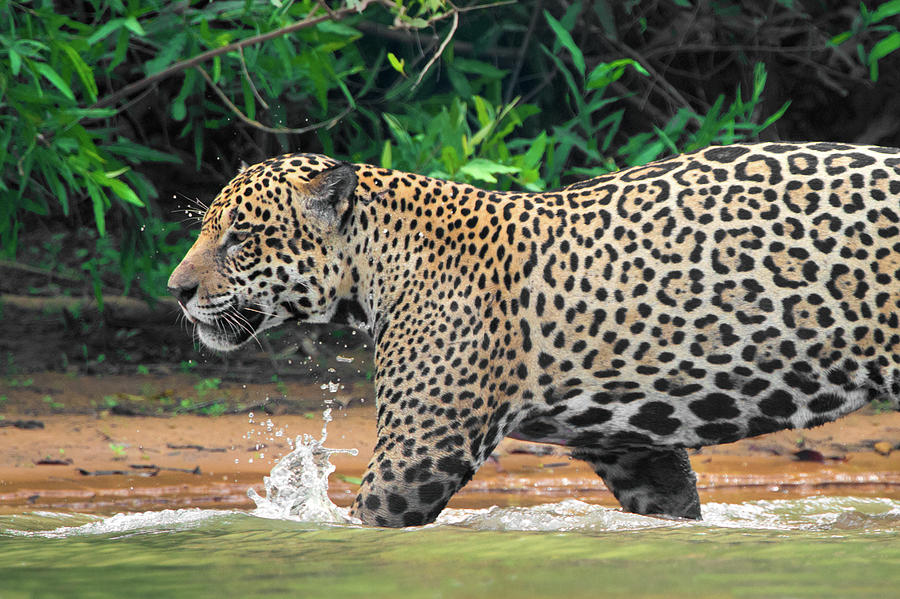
(183, 294)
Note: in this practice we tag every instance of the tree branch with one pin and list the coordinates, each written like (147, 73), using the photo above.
(237, 111)
(200, 58)
(440, 50)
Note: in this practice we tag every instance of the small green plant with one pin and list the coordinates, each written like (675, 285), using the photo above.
(54, 405)
(206, 385)
(280, 385)
(186, 366)
(118, 450)
(215, 410)
(141, 369)
(882, 406)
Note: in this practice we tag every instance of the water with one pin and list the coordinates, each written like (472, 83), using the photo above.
(824, 547)
(296, 543)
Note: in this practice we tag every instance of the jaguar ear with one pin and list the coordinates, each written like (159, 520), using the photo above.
(331, 192)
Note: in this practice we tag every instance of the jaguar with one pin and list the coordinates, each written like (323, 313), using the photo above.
(697, 300)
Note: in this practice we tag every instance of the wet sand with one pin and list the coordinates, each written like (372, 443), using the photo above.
(106, 463)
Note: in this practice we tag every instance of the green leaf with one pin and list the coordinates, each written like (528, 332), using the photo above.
(89, 113)
(386, 158)
(104, 31)
(666, 139)
(459, 82)
(98, 199)
(167, 55)
(885, 10)
(338, 29)
(121, 49)
(536, 150)
(397, 63)
(577, 96)
(132, 24)
(478, 67)
(484, 169)
(179, 110)
(84, 71)
(249, 99)
(15, 62)
(882, 49)
(607, 72)
(54, 78)
(48, 168)
(119, 188)
(777, 115)
(565, 38)
(840, 38)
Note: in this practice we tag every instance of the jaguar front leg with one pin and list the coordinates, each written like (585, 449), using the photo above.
(647, 480)
(424, 454)
(409, 490)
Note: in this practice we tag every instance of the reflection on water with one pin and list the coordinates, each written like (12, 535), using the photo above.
(824, 547)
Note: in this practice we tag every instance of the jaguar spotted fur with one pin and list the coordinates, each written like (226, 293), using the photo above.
(697, 300)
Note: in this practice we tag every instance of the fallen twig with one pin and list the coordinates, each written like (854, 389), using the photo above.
(22, 424)
(84, 472)
(155, 468)
(197, 447)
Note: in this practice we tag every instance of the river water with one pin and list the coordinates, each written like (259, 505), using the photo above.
(297, 543)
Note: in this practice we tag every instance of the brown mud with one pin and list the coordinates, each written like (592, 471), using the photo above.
(79, 451)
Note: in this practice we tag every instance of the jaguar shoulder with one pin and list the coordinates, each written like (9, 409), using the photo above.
(697, 300)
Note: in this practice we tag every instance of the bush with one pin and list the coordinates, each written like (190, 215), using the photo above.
(104, 104)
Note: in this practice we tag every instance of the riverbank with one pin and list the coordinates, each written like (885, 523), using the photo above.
(105, 462)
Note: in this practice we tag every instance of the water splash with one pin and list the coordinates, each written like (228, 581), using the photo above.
(119, 524)
(297, 486)
(565, 516)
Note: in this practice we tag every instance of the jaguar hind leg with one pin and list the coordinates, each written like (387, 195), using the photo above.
(648, 480)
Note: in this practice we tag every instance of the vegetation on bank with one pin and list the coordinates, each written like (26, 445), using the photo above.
(119, 119)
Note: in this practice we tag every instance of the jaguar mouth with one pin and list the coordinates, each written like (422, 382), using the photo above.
(231, 328)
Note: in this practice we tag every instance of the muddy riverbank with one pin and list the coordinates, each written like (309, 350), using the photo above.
(87, 448)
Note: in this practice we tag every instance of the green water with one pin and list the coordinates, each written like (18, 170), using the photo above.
(813, 548)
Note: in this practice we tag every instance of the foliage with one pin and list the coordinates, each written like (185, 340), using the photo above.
(879, 24)
(527, 95)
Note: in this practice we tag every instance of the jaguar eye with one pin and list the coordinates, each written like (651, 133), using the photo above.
(234, 239)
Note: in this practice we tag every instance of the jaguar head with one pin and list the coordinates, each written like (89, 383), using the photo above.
(270, 249)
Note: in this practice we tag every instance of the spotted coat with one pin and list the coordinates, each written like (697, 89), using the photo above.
(697, 300)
